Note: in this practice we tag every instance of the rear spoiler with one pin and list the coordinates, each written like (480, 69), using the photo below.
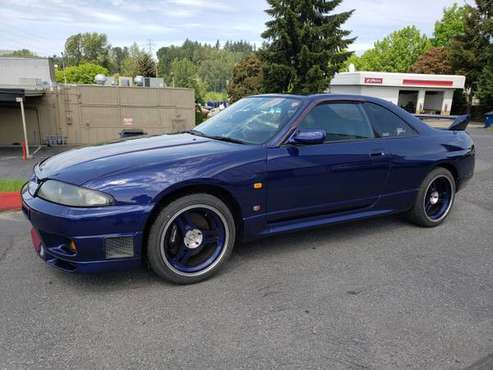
(460, 122)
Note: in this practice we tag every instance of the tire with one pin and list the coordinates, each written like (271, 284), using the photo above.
(435, 199)
(191, 239)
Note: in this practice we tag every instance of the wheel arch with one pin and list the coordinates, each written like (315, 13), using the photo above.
(193, 188)
(452, 169)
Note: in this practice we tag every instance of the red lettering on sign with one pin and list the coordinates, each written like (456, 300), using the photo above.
(373, 80)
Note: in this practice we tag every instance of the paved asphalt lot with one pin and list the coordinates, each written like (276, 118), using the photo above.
(379, 294)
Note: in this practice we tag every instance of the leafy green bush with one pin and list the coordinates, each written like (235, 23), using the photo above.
(81, 74)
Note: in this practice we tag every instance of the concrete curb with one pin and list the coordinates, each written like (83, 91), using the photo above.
(10, 201)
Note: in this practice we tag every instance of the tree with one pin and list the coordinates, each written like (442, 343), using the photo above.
(81, 74)
(129, 65)
(247, 78)
(22, 53)
(243, 47)
(305, 45)
(215, 96)
(184, 74)
(485, 87)
(217, 70)
(485, 82)
(145, 66)
(396, 52)
(117, 58)
(434, 61)
(214, 64)
(166, 56)
(471, 52)
(90, 47)
(450, 26)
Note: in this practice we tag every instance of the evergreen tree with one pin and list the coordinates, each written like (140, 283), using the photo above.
(485, 83)
(21, 53)
(305, 45)
(146, 66)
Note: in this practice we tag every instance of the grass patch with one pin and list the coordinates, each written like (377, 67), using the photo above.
(10, 185)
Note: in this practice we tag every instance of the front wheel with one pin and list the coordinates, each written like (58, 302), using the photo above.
(435, 199)
(191, 239)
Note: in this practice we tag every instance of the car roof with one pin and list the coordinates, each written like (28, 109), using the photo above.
(324, 97)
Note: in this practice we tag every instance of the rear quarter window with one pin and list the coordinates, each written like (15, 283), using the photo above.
(386, 123)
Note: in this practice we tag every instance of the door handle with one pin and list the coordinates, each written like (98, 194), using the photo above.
(377, 154)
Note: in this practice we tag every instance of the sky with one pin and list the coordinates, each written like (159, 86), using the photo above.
(44, 25)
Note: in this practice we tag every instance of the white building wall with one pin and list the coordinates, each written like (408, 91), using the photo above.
(421, 100)
(388, 93)
(351, 90)
(26, 72)
(447, 102)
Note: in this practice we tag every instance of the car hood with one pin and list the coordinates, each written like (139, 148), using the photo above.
(78, 166)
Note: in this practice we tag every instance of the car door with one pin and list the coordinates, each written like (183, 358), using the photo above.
(347, 172)
(403, 147)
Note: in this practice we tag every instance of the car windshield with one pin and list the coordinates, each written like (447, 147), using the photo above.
(250, 120)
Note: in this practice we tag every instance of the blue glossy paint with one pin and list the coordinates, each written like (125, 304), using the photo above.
(304, 185)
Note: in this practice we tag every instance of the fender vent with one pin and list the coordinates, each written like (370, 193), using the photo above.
(119, 247)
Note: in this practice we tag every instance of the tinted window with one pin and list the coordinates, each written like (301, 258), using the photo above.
(341, 121)
(386, 123)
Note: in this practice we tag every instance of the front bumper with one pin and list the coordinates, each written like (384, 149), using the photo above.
(56, 227)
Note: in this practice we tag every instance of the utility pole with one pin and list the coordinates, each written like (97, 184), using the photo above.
(149, 49)
(63, 66)
(149, 46)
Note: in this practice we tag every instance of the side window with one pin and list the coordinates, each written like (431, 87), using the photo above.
(386, 123)
(341, 121)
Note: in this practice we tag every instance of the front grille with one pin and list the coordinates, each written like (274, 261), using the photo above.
(119, 247)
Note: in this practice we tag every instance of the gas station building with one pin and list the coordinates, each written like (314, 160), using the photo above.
(417, 93)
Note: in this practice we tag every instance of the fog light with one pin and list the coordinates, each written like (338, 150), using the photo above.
(72, 247)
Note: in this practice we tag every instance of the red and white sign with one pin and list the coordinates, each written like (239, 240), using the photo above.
(373, 80)
(438, 83)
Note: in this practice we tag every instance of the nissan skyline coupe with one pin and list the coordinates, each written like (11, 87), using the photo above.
(268, 164)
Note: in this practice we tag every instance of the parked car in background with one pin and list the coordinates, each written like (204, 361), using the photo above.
(266, 165)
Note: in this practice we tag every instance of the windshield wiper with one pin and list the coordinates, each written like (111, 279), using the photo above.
(220, 138)
(195, 132)
(227, 139)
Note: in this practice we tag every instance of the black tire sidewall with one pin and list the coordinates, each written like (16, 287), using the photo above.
(418, 213)
(154, 255)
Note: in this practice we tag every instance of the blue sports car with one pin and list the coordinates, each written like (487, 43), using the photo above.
(268, 164)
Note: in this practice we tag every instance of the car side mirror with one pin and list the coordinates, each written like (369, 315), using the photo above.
(308, 136)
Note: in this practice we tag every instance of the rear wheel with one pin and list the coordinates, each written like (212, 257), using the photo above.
(435, 199)
(191, 239)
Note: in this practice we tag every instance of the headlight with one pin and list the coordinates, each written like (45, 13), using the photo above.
(71, 195)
